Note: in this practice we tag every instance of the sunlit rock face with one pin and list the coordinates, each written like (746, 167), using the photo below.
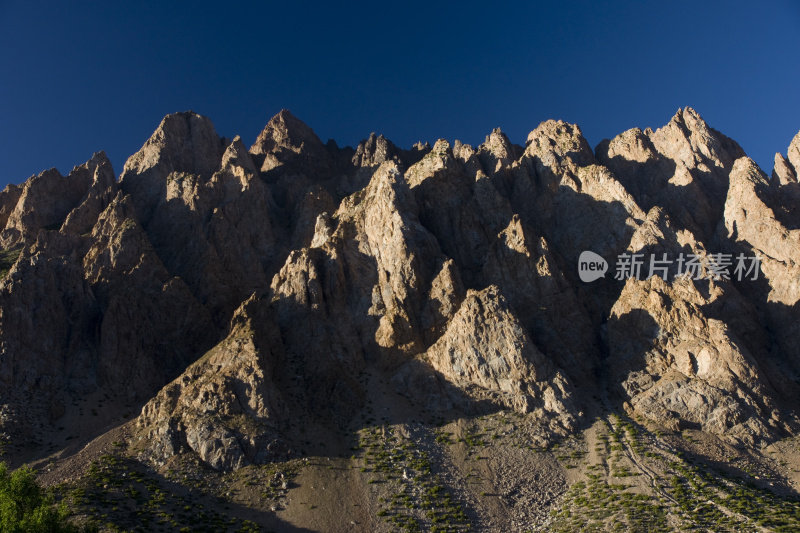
(235, 291)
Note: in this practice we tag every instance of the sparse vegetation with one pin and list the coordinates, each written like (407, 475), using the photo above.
(419, 500)
(120, 494)
(7, 260)
(684, 496)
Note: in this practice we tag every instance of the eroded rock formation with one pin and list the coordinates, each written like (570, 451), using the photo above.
(233, 290)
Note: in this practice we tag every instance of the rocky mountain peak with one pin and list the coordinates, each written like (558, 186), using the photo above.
(689, 140)
(786, 168)
(287, 139)
(183, 142)
(794, 152)
(783, 172)
(497, 152)
(631, 145)
(554, 141)
(237, 155)
(8, 201)
(438, 161)
(50, 201)
(102, 188)
(373, 151)
(99, 166)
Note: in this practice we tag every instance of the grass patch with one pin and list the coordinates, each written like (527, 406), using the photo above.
(7, 260)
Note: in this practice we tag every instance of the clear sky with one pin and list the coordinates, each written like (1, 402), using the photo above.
(77, 77)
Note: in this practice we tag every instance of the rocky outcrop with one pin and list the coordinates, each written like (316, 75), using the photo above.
(102, 189)
(8, 202)
(486, 345)
(526, 270)
(135, 293)
(749, 219)
(783, 172)
(225, 407)
(681, 369)
(50, 201)
(374, 150)
(793, 154)
(48, 316)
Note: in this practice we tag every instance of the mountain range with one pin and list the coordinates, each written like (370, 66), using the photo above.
(306, 337)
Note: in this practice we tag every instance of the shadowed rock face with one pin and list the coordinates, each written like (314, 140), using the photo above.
(233, 292)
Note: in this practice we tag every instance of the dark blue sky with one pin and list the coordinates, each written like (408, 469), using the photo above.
(78, 77)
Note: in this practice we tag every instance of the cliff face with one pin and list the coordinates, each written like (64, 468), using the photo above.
(234, 291)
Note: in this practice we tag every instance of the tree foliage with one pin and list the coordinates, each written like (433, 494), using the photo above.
(25, 507)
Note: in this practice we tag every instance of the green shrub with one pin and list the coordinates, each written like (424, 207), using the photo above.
(25, 507)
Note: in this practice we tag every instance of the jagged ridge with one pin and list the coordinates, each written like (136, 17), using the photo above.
(297, 266)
